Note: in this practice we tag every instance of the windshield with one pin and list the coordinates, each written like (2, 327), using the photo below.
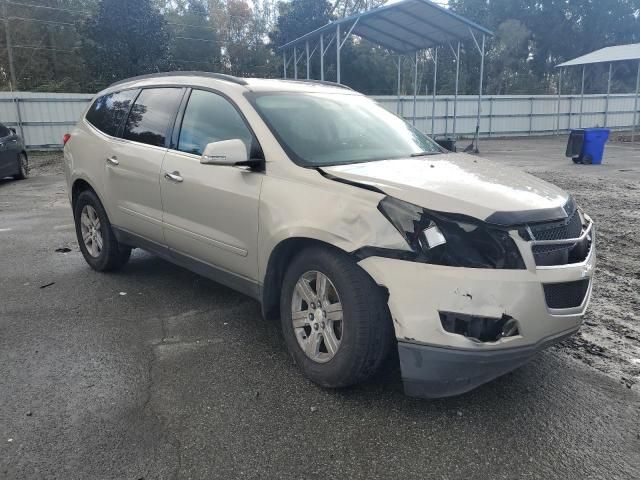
(320, 129)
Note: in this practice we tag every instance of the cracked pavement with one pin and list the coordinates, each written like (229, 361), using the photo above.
(156, 373)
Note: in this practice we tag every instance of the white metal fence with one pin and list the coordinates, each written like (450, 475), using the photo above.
(42, 118)
(45, 117)
(515, 115)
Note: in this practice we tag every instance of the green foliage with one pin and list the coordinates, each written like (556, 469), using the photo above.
(83, 45)
(298, 17)
(558, 30)
(194, 43)
(124, 39)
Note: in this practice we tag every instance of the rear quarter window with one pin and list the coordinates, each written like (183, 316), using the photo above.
(108, 112)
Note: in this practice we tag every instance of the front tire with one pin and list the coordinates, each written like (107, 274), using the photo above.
(98, 243)
(23, 167)
(335, 320)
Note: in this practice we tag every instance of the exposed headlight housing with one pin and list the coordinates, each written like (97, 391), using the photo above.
(451, 240)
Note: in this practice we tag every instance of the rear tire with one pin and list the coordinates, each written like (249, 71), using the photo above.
(98, 243)
(364, 333)
(23, 167)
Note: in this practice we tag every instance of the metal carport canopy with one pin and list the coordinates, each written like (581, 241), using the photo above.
(619, 53)
(405, 27)
(610, 55)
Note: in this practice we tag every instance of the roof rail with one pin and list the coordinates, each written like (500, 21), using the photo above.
(218, 76)
(319, 82)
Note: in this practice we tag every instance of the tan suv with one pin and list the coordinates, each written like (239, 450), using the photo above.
(356, 230)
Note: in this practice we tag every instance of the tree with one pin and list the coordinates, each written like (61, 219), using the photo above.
(559, 30)
(123, 39)
(44, 45)
(194, 42)
(298, 17)
(508, 60)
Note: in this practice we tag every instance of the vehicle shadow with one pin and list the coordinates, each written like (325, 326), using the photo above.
(198, 292)
(217, 350)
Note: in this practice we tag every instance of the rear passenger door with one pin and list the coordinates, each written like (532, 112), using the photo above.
(133, 166)
(211, 212)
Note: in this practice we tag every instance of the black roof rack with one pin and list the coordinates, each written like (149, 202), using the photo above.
(218, 76)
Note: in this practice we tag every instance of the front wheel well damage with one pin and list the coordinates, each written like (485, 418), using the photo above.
(280, 258)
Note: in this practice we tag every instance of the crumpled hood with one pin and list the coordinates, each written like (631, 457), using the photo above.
(460, 183)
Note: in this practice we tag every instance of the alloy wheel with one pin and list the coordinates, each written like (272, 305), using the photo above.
(91, 231)
(316, 313)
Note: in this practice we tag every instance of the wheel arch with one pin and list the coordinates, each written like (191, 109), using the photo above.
(80, 185)
(279, 259)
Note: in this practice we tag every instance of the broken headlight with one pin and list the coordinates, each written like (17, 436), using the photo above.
(451, 240)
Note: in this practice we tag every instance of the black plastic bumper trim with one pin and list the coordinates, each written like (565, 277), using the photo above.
(437, 372)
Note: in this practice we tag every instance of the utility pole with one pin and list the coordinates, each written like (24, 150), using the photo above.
(7, 33)
(12, 70)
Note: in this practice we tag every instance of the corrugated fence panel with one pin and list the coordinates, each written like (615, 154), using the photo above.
(46, 117)
(511, 115)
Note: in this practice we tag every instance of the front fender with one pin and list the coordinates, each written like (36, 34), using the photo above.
(340, 215)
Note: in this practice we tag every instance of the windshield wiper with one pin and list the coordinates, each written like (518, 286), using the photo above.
(424, 154)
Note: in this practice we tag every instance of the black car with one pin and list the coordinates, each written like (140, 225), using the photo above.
(13, 157)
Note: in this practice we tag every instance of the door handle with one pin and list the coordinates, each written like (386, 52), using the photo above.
(174, 177)
(113, 161)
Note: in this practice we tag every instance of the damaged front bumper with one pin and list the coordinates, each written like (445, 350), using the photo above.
(436, 372)
(458, 328)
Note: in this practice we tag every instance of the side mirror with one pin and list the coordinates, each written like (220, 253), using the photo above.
(228, 153)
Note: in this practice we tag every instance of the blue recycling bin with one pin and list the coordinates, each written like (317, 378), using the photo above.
(586, 145)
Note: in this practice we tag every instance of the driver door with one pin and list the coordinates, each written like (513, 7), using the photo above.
(210, 213)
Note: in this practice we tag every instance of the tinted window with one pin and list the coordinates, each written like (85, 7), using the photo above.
(151, 116)
(4, 131)
(108, 112)
(210, 118)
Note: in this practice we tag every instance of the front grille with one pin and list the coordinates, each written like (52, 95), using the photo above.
(566, 295)
(571, 227)
(559, 230)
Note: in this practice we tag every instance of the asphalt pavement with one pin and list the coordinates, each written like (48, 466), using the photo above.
(156, 373)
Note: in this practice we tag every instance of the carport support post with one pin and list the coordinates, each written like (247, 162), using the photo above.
(606, 108)
(584, 69)
(295, 62)
(306, 45)
(435, 85)
(559, 100)
(322, 57)
(635, 107)
(477, 149)
(399, 84)
(284, 63)
(415, 88)
(455, 99)
(338, 53)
